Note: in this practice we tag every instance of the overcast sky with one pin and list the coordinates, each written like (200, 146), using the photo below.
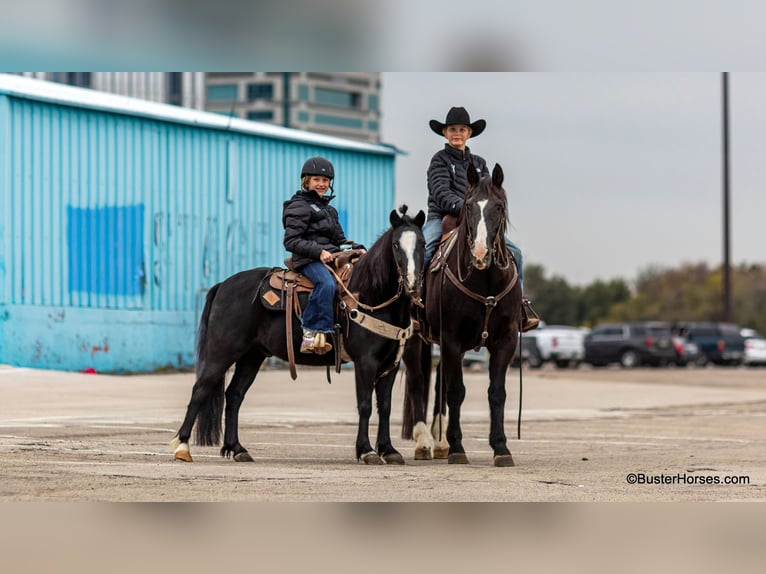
(607, 174)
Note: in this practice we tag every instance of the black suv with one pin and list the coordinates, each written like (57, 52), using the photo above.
(630, 344)
(721, 343)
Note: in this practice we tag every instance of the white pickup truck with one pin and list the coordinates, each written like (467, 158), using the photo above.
(562, 345)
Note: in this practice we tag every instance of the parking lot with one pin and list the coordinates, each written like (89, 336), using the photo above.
(682, 434)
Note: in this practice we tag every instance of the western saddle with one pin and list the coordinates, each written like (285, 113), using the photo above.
(288, 290)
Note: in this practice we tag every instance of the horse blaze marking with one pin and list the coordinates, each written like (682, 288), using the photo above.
(480, 245)
(408, 241)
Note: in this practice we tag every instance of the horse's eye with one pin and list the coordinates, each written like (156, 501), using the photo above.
(396, 244)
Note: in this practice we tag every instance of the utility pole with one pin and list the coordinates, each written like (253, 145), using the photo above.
(726, 228)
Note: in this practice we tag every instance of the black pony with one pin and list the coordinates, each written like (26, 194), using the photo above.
(472, 300)
(236, 329)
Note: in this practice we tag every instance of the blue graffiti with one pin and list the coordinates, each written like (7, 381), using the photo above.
(106, 250)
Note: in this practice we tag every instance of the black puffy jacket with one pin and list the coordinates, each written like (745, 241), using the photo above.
(448, 180)
(311, 225)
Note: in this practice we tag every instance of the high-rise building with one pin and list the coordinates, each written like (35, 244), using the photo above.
(344, 104)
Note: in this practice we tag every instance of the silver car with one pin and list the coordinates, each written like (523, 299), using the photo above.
(755, 347)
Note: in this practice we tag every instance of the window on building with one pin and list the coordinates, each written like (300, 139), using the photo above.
(337, 98)
(373, 102)
(222, 92)
(303, 117)
(303, 92)
(373, 126)
(340, 121)
(260, 115)
(260, 91)
(81, 79)
(175, 88)
(227, 74)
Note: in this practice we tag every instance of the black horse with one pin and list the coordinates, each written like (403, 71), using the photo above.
(236, 329)
(472, 300)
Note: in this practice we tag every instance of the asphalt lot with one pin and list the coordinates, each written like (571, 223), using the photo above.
(685, 434)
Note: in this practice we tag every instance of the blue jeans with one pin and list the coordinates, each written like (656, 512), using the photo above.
(319, 316)
(432, 232)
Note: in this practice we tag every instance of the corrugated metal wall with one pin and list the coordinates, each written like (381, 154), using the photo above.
(115, 226)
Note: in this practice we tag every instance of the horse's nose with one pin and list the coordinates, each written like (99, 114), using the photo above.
(480, 253)
(415, 286)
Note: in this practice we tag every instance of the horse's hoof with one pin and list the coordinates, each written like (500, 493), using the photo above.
(457, 458)
(504, 460)
(184, 455)
(441, 452)
(393, 458)
(243, 456)
(423, 453)
(182, 450)
(372, 458)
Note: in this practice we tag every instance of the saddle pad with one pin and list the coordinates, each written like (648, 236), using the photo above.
(274, 301)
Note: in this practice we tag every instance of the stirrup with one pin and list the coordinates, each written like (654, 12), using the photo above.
(321, 345)
(531, 320)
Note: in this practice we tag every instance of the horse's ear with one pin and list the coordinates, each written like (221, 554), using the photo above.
(473, 175)
(497, 176)
(394, 219)
(420, 218)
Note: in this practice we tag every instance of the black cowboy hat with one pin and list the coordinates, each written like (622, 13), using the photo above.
(458, 116)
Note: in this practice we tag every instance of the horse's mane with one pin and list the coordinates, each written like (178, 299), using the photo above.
(375, 273)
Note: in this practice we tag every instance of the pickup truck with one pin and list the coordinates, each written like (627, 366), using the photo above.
(562, 345)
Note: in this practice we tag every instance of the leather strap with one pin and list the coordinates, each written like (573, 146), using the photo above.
(289, 330)
(386, 330)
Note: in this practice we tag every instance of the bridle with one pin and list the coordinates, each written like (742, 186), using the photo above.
(499, 253)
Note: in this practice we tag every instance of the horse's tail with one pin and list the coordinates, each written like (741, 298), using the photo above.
(210, 414)
(202, 331)
(418, 355)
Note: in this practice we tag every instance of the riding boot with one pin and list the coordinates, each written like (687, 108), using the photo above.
(530, 319)
(307, 343)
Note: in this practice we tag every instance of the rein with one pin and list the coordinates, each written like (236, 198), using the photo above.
(356, 301)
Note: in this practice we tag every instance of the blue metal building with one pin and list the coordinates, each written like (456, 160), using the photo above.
(117, 215)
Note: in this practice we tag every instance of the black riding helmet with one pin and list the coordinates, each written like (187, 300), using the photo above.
(318, 166)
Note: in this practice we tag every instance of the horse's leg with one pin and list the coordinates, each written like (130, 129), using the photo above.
(207, 393)
(244, 375)
(499, 359)
(383, 445)
(417, 363)
(452, 360)
(439, 422)
(365, 369)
